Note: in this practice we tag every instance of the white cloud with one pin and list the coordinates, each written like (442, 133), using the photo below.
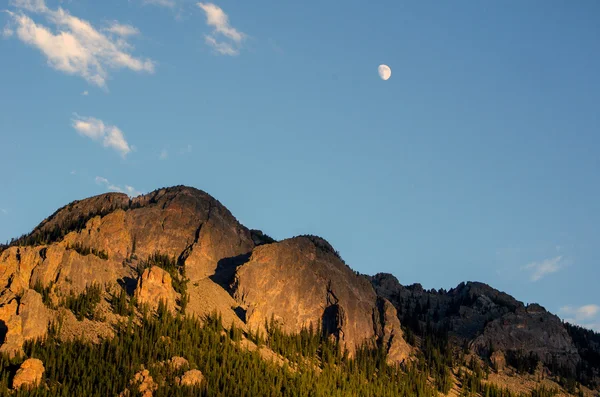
(76, 47)
(101, 181)
(216, 18)
(587, 316)
(162, 3)
(29, 5)
(73, 172)
(89, 126)
(132, 191)
(163, 155)
(122, 30)
(7, 32)
(4, 211)
(85, 93)
(581, 313)
(129, 190)
(547, 266)
(221, 47)
(116, 140)
(95, 129)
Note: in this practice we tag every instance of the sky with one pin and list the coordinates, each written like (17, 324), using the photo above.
(477, 160)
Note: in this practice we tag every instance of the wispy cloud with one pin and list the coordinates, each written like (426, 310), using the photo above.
(85, 93)
(122, 30)
(129, 190)
(97, 130)
(4, 211)
(74, 46)
(225, 39)
(7, 32)
(587, 316)
(164, 154)
(162, 3)
(541, 269)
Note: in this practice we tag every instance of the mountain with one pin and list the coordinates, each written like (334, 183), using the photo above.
(113, 278)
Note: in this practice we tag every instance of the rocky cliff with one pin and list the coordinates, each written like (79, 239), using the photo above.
(106, 240)
(486, 319)
(182, 246)
(300, 282)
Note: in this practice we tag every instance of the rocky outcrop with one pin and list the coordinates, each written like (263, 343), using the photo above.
(180, 222)
(193, 377)
(301, 282)
(29, 374)
(390, 332)
(155, 285)
(485, 318)
(23, 318)
(104, 238)
(144, 383)
(177, 362)
(498, 361)
(11, 331)
(533, 330)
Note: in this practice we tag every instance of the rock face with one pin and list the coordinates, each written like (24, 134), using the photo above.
(154, 286)
(498, 360)
(484, 317)
(180, 222)
(29, 374)
(531, 329)
(296, 282)
(23, 318)
(192, 377)
(390, 332)
(300, 281)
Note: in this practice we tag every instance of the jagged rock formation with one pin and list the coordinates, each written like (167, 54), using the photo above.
(29, 374)
(154, 286)
(298, 283)
(22, 318)
(487, 319)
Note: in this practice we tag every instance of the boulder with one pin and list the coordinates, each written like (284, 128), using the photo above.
(177, 362)
(192, 377)
(144, 383)
(498, 361)
(29, 374)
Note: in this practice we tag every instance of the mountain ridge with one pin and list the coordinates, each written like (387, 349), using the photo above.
(210, 262)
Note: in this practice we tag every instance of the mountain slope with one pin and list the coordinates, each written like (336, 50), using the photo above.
(98, 262)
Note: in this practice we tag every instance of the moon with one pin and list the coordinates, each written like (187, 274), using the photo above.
(384, 72)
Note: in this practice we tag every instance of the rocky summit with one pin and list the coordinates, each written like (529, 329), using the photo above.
(106, 270)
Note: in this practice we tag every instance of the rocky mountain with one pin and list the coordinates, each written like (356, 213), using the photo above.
(485, 319)
(98, 261)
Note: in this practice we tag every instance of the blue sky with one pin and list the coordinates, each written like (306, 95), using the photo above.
(477, 159)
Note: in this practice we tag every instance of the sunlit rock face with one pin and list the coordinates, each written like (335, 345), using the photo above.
(300, 282)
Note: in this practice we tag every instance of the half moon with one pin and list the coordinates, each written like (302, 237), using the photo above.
(384, 72)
